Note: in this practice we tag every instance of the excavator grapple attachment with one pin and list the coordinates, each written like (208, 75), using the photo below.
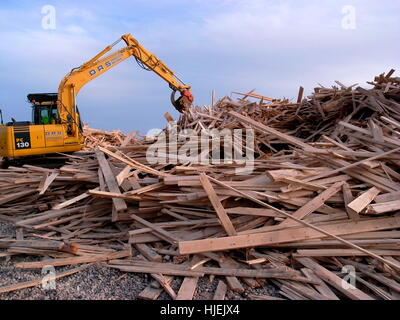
(183, 103)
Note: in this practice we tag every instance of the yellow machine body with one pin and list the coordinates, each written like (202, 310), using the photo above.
(23, 141)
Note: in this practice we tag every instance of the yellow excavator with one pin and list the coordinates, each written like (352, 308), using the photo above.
(56, 125)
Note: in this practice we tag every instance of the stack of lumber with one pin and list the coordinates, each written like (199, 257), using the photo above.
(322, 203)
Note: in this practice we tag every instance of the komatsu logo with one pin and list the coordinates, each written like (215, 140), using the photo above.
(106, 65)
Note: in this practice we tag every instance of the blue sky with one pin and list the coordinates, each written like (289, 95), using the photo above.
(222, 45)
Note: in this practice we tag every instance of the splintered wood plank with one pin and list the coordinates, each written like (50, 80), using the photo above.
(123, 175)
(279, 175)
(15, 196)
(148, 253)
(253, 212)
(48, 181)
(388, 197)
(167, 236)
(50, 214)
(219, 209)
(165, 281)
(347, 198)
(220, 292)
(384, 207)
(112, 195)
(111, 182)
(72, 201)
(361, 202)
(315, 203)
(333, 280)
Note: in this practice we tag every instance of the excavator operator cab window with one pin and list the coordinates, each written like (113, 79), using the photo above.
(45, 114)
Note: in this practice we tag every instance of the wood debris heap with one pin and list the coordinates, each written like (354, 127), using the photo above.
(322, 199)
(96, 137)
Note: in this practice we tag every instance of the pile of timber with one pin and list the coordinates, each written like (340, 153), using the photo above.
(321, 205)
(96, 137)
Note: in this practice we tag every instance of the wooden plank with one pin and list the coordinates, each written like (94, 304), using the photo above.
(219, 209)
(165, 283)
(51, 214)
(15, 196)
(72, 201)
(111, 182)
(148, 252)
(220, 292)
(48, 181)
(112, 195)
(348, 197)
(72, 260)
(165, 270)
(253, 212)
(158, 230)
(342, 252)
(187, 289)
(384, 207)
(388, 197)
(362, 201)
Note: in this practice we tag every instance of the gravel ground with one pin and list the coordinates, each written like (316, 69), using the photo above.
(97, 282)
